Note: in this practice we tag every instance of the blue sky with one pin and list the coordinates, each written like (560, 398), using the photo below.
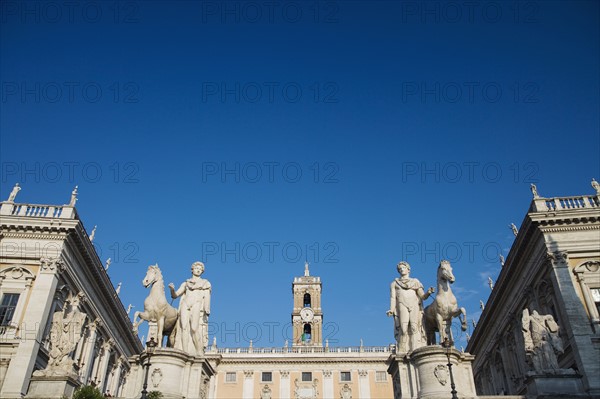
(353, 134)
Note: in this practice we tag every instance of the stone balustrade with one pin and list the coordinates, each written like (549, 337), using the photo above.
(303, 350)
(542, 204)
(38, 211)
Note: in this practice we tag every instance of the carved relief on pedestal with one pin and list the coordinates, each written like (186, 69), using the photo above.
(441, 373)
(156, 377)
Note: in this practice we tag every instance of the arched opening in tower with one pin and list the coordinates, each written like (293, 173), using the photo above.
(307, 303)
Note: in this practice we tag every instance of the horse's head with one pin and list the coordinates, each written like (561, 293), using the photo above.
(152, 275)
(445, 271)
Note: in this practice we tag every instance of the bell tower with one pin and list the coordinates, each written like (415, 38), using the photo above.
(307, 315)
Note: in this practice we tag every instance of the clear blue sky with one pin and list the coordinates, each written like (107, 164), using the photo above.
(417, 128)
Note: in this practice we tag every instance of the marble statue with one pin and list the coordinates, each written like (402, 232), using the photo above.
(439, 315)
(406, 306)
(481, 305)
(502, 260)
(93, 234)
(534, 191)
(73, 197)
(65, 333)
(108, 262)
(194, 309)
(514, 229)
(118, 289)
(156, 307)
(596, 186)
(542, 341)
(129, 308)
(490, 283)
(13, 193)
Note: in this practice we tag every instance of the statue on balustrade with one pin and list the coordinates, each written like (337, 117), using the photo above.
(13, 193)
(406, 306)
(65, 334)
(194, 309)
(542, 341)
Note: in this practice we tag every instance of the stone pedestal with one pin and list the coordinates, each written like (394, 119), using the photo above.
(51, 387)
(173, 372)
(552, 385)
(424, 373)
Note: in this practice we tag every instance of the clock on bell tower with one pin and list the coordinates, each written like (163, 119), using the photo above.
(307, 316)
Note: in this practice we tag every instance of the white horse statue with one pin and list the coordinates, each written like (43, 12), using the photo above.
(439, 314)
(156, 307)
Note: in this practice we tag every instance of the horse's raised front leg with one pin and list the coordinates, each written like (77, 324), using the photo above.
(142, 315)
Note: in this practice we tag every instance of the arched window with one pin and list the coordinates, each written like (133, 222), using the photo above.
(306, 336)
(307, 302)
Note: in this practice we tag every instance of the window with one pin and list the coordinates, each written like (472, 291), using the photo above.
(596, 297)
(307, 301)
(306, 376)
(7, 308)
(230, 377)
(380, 376)
(307, 333)
(345, 376)
(267, 376)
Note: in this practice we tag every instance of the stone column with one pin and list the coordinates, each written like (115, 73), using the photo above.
(35, 319)
(103, 368)
(327, 385)
(212, 386)
(364, 388)
(284, 384)
(248, 385)
(587, 295)
(88, 350)
(575, 321)
(116, 378)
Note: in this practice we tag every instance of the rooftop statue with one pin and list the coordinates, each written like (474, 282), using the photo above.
(73, 197)
(596, 186)
(13, 193)
(534, 191)
(514, 229)
(406, 306)
(439, 315)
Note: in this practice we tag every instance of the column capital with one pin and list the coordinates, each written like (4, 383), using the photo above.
(52, 265)
(558, 257)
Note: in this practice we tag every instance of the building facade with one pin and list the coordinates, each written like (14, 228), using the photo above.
(47, 264)
(539, 333)
(62, 324)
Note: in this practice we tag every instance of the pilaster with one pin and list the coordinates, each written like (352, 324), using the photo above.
(35, 319)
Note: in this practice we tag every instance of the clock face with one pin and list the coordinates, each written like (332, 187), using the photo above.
(307, 314)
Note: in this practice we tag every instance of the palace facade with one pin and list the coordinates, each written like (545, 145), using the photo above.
(62, 324)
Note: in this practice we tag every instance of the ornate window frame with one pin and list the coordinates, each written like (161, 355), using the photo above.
(15, 279)
(587, 274)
